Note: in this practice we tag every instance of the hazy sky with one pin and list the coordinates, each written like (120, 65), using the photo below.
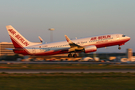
(75, 18)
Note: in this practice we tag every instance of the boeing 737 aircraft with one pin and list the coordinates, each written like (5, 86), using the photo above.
(86, 45)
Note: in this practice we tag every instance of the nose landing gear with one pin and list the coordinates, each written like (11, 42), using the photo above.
(119, 47)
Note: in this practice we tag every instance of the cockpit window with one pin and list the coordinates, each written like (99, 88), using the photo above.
(123, 35)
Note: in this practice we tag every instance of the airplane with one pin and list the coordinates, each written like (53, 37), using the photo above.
(86, 45)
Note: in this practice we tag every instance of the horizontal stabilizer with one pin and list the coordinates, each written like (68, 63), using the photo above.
(14, 49)
(9, 48)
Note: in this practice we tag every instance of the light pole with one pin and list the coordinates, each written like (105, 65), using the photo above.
(51, 34)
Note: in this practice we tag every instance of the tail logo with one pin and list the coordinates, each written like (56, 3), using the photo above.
(12, 31)
(17, 36)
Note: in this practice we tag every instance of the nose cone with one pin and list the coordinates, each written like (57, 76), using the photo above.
(128, 38)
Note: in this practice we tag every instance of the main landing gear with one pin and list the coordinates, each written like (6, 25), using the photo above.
(70, 55)
(119, 47)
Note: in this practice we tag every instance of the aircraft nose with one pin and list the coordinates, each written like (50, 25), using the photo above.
(128, 38)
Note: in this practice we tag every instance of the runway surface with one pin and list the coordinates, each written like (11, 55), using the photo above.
(66, 62)
(68, 71)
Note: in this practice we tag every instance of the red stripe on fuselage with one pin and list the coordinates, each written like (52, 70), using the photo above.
(111, 43)
(51, 53)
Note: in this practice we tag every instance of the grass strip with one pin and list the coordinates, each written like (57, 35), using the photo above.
(67, 81)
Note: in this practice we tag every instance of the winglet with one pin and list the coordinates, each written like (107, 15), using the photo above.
(68, 40)
(41, 40)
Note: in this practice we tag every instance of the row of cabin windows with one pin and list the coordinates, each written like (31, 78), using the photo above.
(79, 43)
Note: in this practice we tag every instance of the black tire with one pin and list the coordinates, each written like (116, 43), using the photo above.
(75, 55)
(69, 55)
(119, 48)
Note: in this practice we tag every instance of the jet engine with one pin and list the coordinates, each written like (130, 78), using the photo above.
(90, 49)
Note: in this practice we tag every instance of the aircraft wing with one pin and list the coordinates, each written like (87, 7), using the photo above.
(73, 47)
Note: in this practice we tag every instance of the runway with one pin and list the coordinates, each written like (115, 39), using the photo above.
(66, 62)
(68, 71)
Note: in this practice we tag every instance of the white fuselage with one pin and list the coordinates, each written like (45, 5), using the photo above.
(62, 47)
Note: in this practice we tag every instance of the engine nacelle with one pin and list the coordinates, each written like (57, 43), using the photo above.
(90, 49)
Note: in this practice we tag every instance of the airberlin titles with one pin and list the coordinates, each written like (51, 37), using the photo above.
(18, 37)
(100, 38)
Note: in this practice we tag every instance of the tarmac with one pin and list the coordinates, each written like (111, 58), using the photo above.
(68, 71)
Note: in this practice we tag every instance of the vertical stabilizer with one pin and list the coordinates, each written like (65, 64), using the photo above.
(17, 39)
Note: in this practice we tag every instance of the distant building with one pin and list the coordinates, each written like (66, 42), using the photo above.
(129, 53)
(130, 57)
(4, 51)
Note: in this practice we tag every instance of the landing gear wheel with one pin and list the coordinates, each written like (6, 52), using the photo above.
(69, 55)
(75, 55)
(119, 47)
